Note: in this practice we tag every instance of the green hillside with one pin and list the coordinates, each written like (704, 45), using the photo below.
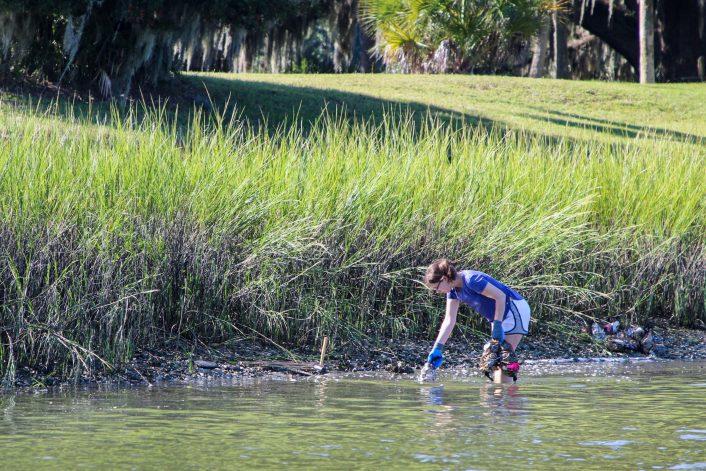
(561, 108)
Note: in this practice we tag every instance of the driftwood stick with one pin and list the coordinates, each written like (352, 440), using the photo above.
(303, 369)
(324, 346)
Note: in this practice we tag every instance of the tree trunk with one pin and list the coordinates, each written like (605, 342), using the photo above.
(561, 54)
(344, 20)
(679, 38)
(647, 42)
(620, 32)
(540, 46)
(701, 59)
(364, 42)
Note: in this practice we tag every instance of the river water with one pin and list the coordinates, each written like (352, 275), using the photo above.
(589, 416)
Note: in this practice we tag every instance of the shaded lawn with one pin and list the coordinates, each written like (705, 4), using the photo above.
(557, 108)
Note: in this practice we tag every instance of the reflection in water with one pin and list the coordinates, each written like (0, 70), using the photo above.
(442, 413)
(433, 395)
(7, 404)
(639, 419)
(321, 394)
(503, 398)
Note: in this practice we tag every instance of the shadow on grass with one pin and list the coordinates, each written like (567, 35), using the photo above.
(616, 128)
(273, 105)
(261, 104)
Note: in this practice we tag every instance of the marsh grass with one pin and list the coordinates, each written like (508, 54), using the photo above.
(132, 231)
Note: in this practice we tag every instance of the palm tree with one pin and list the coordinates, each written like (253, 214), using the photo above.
(447, 35)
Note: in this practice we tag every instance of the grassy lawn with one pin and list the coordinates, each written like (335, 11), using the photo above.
(558, 108)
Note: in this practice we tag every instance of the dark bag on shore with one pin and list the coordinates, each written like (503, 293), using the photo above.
(633, 339)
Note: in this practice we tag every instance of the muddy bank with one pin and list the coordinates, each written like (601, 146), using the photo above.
(181, 363)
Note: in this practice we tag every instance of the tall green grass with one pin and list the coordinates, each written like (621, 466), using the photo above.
(121, 235)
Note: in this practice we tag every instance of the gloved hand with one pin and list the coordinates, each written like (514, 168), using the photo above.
(436, 357)
(498, 333)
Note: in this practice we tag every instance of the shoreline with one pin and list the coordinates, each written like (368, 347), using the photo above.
(176, 365)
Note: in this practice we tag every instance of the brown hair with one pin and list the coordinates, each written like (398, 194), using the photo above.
(438, 269)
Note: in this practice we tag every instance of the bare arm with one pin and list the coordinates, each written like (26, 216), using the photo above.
(491, 291)
(449, 321)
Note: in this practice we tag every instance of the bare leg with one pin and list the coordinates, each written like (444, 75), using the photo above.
(514, 341)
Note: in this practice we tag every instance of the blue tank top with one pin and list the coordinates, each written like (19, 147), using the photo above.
(473, 283)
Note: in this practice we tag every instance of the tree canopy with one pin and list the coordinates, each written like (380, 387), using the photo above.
(107, 44)
(110, 46)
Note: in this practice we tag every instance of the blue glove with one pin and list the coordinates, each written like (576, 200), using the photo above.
(498, 333)
(436, 358)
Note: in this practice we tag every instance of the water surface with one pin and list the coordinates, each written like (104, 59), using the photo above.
(638, 416)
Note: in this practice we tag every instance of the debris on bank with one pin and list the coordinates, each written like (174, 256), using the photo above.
(184, 364)
(633, 339)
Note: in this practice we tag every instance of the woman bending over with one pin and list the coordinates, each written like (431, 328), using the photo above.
(503, 307)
